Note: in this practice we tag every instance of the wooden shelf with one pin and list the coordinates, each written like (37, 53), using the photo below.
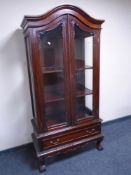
(53, 98)
(54, 93)
(48, 70)
(80, 65)
(82, 91)
(82, 115)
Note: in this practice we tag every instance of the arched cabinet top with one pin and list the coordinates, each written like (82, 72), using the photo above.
(41, 20)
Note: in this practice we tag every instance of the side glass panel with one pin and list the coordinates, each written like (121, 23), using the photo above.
(83, 73)
(51, 45)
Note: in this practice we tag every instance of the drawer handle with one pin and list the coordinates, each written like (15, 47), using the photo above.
(90, 131)
(55, 142)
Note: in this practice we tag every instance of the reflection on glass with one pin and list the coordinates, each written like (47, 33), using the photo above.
(83, 48)
(54, 87)
(55, 113)
(84, 73)
(83, 107)
(52, 49)
(51, 45)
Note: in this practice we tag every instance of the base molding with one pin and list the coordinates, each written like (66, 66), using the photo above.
(65, 148)
(62, 143)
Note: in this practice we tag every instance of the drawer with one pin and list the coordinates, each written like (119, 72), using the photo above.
(70, 137)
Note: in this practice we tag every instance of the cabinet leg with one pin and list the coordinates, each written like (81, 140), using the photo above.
(98, 145)
(42, 166)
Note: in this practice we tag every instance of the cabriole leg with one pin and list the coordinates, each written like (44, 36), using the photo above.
(98, 144)
(42, 166)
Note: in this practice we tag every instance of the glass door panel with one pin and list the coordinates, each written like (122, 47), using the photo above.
(51, 45)
(54, 87)
(55, 113)
(52, 50)
(83, 43)
(84, 107)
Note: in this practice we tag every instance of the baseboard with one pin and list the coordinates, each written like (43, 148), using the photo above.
(17, 147)
(116, 120)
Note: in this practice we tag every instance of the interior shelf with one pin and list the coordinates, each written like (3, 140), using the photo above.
(54, 93)
(82, 115)
(83, 111)
(52, 69)
(53, 98)
(82, 91)
(80, 65)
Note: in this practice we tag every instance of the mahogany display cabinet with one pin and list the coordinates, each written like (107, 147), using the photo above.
(63, 50)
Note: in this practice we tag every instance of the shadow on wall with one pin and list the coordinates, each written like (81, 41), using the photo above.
(15, 98)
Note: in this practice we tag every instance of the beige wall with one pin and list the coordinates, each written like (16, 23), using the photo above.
(115, 84)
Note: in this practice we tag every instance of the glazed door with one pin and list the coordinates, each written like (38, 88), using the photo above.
(54, 71)
(84, 79)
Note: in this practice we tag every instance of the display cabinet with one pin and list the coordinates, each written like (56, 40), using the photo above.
(63, 48)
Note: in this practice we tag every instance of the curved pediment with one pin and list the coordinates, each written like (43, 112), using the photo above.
(41, 20)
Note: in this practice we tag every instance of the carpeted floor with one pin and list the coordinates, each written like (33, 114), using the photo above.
(114, 159)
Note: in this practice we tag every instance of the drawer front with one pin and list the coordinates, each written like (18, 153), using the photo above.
(70, 137)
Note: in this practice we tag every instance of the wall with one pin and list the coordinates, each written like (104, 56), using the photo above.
(115, 84)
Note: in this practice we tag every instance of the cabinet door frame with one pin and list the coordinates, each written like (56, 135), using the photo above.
(96, 62)
(39, 83)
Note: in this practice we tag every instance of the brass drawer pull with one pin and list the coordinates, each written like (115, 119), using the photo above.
(90, 131)
(55, 142)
